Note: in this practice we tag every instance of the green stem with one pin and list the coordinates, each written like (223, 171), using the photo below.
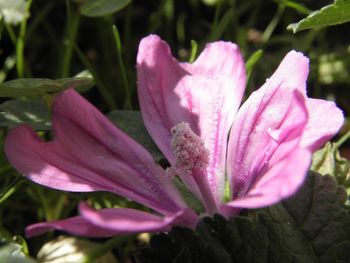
(275, 20)
(2, 26)
(225, 21)
(38, 19)
(104, 248)
(217, 13)
(342, 139)
(127, 102)
(59, 206)
(194, 49)
(72, 30)
(45, 204)
(20, 43)
(101, 87)
(128, 32)
(11, 188)
(156, 21)
(11, 33)
(180, 28)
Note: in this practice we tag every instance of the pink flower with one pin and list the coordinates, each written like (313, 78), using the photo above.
(262, 149)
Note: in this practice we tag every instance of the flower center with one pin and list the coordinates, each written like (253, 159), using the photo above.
(188, 148)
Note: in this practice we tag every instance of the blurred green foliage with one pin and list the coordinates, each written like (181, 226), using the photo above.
(59, 39)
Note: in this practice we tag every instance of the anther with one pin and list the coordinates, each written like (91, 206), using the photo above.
(188, 148)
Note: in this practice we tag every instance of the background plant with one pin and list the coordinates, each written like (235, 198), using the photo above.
(92, 45)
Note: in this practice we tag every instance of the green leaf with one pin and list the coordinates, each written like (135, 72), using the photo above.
(253, 59)
(312, 226)
(333, 14)
(328, 161)
(191, 200)
(11, 251)
(32, 112)
(194, 50)
(240, 239)
(80, 84)
(131, 123)
(96, 8)
(319, 212)
(34, 87)
(298, 7)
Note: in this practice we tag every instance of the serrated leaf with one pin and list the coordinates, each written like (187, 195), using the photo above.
(32, 112)
(328, 161)
(96, 8)
(333, 14)
(215, 240)
(34, 87)
(131, 123)
(319, 212)
(312, 226)
(286, 242)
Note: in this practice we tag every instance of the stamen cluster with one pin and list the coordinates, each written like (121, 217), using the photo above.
(188, 148)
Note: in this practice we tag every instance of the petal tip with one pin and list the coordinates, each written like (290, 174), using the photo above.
(297, 58)
(150, 47)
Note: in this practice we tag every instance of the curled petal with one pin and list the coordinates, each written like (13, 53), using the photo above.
(325, 119)
(90, 154)
(282, 180)
(268, 126)
(205, 94)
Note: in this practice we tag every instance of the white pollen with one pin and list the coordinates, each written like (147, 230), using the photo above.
(188, 148)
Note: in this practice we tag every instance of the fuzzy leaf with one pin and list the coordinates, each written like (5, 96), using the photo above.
(32, 112)
(131, 123)
(312, 226)
(336, 13)
(96, 8)
(34, 87)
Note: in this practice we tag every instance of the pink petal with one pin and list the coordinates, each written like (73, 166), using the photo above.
(90, 154)
(325, 119)
(268, 126)
(292, 72)
(205, 94)
(75, 225)
(106, 222)
(282, 180)
(29, 155)
(125, 220)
